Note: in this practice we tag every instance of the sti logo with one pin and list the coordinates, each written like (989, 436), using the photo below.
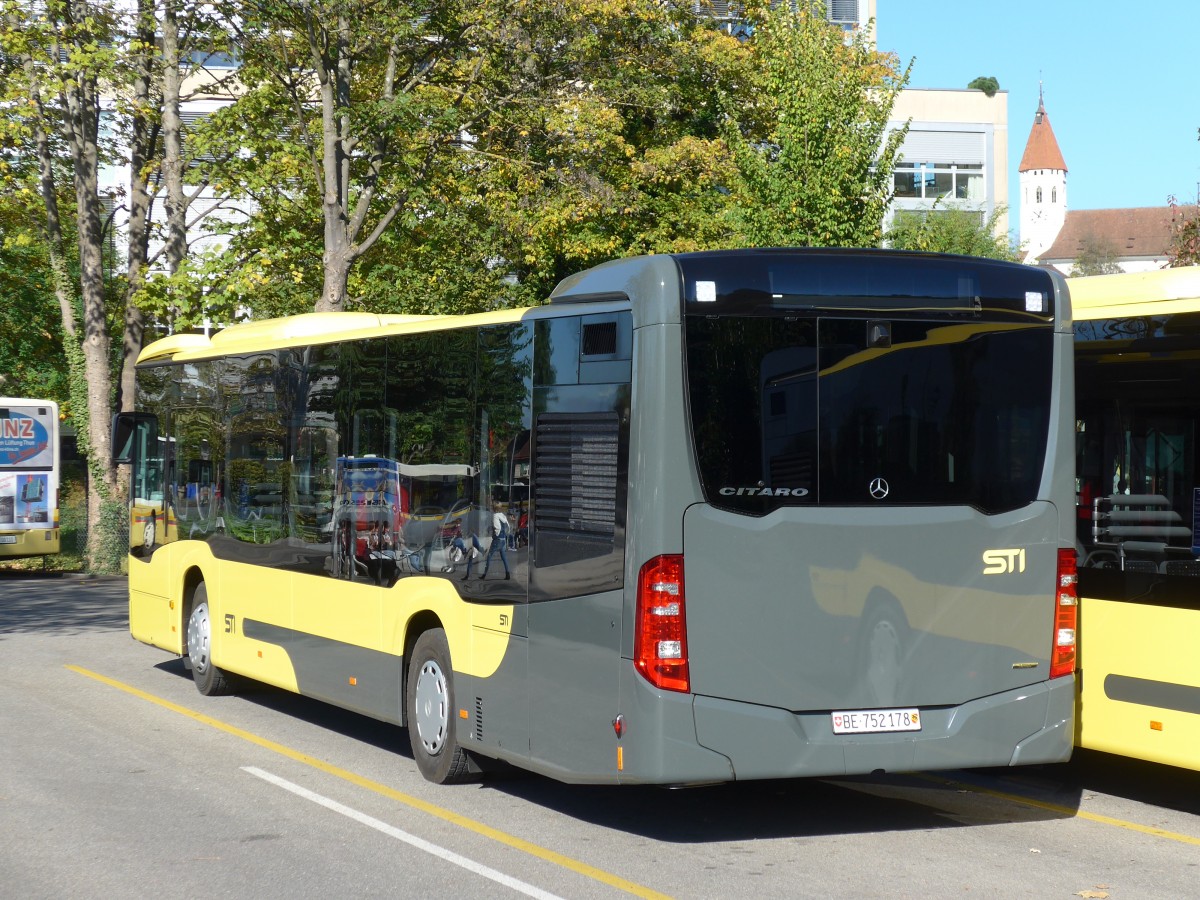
(1003, 562)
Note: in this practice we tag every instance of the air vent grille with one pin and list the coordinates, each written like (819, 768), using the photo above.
(600, 339)
(576, 486)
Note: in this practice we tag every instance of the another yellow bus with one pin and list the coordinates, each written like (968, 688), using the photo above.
(1137, 344)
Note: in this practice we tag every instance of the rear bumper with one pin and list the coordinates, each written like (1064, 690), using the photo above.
(1020, 727)
(29, 542)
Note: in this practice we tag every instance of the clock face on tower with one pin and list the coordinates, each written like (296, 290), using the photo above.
(1039, 216)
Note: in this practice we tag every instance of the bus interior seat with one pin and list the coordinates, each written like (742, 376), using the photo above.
(1139, 528)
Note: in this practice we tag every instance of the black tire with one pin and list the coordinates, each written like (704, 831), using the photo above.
(430, 711)
(210, 681)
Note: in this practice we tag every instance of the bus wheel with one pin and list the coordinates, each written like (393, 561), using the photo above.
(210, 680)
(430, 708)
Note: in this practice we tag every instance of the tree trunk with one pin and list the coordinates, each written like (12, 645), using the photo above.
(176, 203)
(335, 171)
(81, 124)
(54, 236)
(337, 273)
(141, 150)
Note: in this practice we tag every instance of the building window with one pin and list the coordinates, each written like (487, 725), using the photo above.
(931, 180)
(1039, 195)
(1053, 195)
(729, 14)
(843, 13)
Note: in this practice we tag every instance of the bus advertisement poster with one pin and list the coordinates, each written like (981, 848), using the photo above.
(25, 500)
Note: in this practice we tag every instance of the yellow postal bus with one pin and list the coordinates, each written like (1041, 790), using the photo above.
(1137, 344)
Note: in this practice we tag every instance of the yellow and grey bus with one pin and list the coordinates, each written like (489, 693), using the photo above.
(701, 517)
(1137, 344)
(29, 473)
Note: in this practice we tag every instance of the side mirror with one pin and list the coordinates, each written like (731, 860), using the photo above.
(125, 427)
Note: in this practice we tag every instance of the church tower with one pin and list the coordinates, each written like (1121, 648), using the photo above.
(1043, 174)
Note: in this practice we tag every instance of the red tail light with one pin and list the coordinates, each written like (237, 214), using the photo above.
(660, 645)
(1066, 616)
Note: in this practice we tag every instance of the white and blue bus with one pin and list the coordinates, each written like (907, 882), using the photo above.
(701, 517)
(29, 476)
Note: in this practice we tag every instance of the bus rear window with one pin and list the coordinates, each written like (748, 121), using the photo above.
(793, 411)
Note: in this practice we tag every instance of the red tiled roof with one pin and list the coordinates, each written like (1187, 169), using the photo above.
(1139, 232)
(1041, 150)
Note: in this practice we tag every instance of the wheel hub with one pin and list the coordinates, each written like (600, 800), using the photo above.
(430, 707)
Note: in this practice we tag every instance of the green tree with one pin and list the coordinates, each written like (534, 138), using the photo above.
(31, 347)
(985, 83)
(355, 109)
(1095, 258)
(64, 52)
(813, 152)
(478, 165)
(616, 145)
(64, 62)
(952, 229)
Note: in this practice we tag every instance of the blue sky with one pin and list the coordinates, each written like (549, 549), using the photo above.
(1121, 81)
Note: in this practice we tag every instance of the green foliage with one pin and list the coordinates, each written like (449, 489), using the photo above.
(560, 135)
(474, 155)
(31, 347)
(528, 141)
(951, 229)
(1096, 258)
(985, 83)
(620, 151)
(813, 154)
(113, 545)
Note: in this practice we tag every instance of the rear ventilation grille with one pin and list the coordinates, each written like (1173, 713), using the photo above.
(576, 485)
(479, 718)
(600, 339)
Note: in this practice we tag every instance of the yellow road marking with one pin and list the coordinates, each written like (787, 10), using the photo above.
(1068, 811)
(454, 818)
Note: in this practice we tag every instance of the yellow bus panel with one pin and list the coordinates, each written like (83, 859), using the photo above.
(1139, 677)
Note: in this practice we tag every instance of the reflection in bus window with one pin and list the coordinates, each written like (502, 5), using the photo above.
(801, 412)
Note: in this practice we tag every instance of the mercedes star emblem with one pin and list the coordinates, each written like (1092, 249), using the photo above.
(879, 488)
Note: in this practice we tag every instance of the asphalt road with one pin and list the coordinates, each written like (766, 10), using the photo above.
(117, 779)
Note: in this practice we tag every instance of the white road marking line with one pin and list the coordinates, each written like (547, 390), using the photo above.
(412, 840)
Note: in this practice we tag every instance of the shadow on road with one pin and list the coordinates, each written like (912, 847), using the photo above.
(728, 812)
(1144, 782)
(64, 604)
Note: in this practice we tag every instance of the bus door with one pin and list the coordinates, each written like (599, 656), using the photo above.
(136, 441)
(580, 478)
